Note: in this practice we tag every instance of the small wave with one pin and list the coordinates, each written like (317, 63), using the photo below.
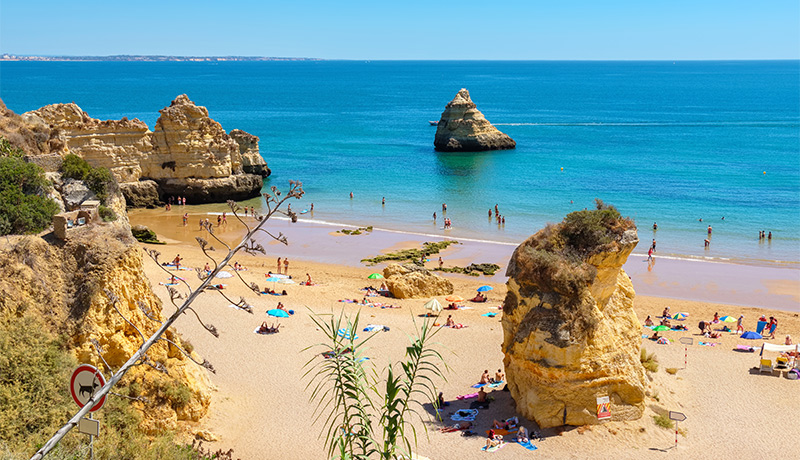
(725, 260)
(666, 124)
(388, 230)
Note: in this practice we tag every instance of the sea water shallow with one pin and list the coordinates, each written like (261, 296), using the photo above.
(666, 142)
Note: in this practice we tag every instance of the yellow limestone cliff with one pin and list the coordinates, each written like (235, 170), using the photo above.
(570, 334)
(187, 154)
(64, 284)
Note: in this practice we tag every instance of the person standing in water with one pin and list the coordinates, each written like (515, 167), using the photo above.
(383, 201)
(434, 216)
(655, 226)
(709, 230)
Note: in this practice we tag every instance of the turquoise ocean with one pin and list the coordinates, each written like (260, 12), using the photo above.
(666, 142)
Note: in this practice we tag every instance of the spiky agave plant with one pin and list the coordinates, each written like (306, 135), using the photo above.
(351, 400)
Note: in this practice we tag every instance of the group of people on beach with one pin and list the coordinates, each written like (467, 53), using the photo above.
(172, 200)
(285, 266)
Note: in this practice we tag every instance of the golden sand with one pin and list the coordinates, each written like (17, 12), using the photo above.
(261, 408)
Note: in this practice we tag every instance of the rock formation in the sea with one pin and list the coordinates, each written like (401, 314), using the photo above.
(410, 281)
(63, 288)
(252, 161)
(187, 154)
(463, 128)
(570, 334)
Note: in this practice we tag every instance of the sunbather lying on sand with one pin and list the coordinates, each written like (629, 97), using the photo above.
(508, 424)
(493, 440)
(266, 329)
(457, 427)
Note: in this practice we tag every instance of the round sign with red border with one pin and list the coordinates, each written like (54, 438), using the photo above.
(84, 382)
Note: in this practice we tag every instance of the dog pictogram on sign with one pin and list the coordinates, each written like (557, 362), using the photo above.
(84, 382)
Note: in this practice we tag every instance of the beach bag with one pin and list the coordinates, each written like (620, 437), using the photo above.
(793, 374)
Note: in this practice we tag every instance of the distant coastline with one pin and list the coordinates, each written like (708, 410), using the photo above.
(149, 58)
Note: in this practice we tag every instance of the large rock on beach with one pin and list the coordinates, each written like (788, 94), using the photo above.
(187, 154)
(410, 281)
(570, 334)
(463, 128)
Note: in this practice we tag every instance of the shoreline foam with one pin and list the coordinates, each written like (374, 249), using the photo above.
(669, 277)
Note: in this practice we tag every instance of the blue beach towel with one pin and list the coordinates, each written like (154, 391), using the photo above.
(490, 315)
(528, 445)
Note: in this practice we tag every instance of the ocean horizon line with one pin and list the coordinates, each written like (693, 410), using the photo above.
(12, 57)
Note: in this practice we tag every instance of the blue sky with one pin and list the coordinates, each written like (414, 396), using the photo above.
(409, 29)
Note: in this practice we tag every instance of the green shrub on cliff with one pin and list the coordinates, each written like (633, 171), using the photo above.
(97, 179)
(35, 368)
(22, 208)
(558, 252)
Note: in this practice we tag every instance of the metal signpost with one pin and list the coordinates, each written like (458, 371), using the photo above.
(84, 382)
(686, 341)
(677, 417)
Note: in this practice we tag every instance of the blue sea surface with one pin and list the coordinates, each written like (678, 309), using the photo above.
(664, 142)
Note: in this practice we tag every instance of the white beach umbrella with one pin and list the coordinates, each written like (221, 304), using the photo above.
(433, 305)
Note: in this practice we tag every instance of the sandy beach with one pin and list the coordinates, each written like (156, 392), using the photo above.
(261, 408)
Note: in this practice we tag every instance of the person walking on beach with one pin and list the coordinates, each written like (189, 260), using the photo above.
(224, 219)
(739, 326)
(279, 265)
(441, 263)
(286, 266)
(650, 254)
(185, 218)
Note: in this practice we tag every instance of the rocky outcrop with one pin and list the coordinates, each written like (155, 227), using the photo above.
(410, 281)
(463, 128)
(141, 194)
(252, 161)
(64, 287)
(187, 154)
(570, 334)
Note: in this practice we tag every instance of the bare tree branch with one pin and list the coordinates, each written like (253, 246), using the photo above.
(273, 204)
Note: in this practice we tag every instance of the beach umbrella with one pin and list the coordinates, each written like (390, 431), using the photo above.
(661, 328)
(224, 274)
(485, 288)
(344, 333)
(680, 316)
(752, 335)
(278, 313)
(433, 305)
(454, 298)
(375, 276)
(728, 319)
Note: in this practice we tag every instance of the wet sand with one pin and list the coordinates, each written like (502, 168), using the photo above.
(735, 284)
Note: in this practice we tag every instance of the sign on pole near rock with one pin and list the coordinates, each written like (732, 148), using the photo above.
(84, 382)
